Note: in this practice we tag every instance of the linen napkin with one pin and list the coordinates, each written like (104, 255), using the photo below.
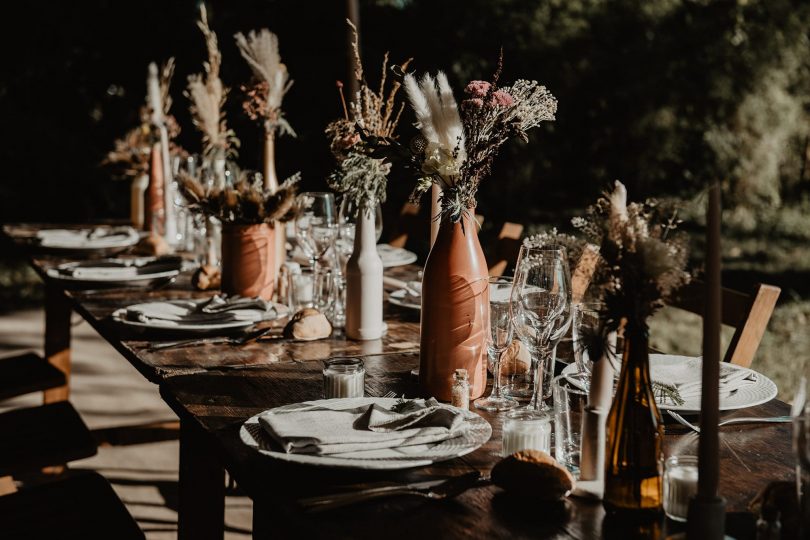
(358, 425)
(217, 309)
(686, 376)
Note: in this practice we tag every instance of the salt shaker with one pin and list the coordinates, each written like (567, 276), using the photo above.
(461, 389)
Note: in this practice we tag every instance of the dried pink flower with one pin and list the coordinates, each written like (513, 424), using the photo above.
(477, 89)
(472, 103)
(502, 98)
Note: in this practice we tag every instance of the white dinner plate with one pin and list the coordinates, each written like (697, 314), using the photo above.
(83, 241)
(403, 298)
(394, 256)
(478, 433)
(119, 316)
(166, 271)
(390, 256)
(759, 392)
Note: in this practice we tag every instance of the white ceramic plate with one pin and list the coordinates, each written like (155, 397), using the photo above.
(72, 241)
(119, 316)
(407, 457)
(393, 256)
(169, 270)
(404, 299)
(761, 391)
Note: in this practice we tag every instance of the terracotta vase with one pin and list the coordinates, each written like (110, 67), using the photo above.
(455, 310)
(247, 260)
(154, 213)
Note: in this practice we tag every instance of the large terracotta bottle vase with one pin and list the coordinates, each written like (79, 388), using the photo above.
(455, 310)
(248, 253)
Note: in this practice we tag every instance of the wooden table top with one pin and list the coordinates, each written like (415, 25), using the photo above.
(219, 386)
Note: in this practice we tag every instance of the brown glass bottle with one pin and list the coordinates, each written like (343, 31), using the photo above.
(633, 458)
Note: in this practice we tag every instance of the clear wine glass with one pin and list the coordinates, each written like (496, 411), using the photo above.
(541, 311)
(498, 340)
(316, 225)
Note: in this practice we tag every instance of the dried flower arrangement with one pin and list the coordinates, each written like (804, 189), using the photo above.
(246, 202)
(130, 156)
(642, 261)
(207, 95)
(456, 147)
(369, 121)
(264, 94)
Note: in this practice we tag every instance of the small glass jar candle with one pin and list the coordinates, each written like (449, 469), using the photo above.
(344, 378)
(680, 485)
(526, 430)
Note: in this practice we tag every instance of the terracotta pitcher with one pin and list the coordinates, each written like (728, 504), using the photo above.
(455, 310)
(248, 252)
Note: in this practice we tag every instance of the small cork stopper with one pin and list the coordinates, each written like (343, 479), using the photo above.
(461, 374)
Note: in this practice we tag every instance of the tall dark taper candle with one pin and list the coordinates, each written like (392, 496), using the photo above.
(706, 518)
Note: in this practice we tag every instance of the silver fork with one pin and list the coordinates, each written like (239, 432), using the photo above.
(746, 420)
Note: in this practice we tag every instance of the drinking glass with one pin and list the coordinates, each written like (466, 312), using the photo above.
(584, 325)
(316, 224)
(541, 311)
(569, 410)
(498, 340)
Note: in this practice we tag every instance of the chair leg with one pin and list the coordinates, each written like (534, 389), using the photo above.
(7, 485)
(57, 339)
(201, 509)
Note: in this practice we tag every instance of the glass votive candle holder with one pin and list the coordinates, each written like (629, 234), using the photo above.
(680, 485)
(526, 430)
(344, 378)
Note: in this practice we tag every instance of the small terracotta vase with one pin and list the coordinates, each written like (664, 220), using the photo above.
(455, 310)
(154, 209)
(248, 253)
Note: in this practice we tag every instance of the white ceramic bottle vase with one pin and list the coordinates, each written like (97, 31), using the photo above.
(364, 281)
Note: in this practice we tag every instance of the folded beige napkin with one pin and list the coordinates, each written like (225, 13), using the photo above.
(215, 310)
(352, 427)
(686, 375)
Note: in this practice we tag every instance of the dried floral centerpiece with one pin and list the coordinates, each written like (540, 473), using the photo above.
(249, 213)
(207, 95)
(264, 94)
(369, 122)
(643, 264)
(133, 154)
(263, 97)
(454, 152)
(456, 147)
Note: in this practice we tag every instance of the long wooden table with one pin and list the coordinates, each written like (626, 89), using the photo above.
(214, 388)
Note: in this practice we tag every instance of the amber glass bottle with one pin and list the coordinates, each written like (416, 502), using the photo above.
(633, 458)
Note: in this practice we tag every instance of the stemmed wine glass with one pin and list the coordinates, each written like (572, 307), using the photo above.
(541, 311)
(498, 340)
(316, 225)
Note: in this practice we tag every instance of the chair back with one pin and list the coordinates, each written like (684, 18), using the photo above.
(747, 313)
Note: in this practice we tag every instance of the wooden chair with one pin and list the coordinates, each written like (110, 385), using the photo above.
(38, 437)
(28, 373)
(747, 313)
(79, 505)
(506, 249)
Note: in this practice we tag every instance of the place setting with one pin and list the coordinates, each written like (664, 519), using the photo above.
(98, 241)
(120, 272)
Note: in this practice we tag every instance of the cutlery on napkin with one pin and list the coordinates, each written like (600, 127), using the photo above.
(121, 268)
(212, 310)
(685, 376)
(354, 428)
(79, 238)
